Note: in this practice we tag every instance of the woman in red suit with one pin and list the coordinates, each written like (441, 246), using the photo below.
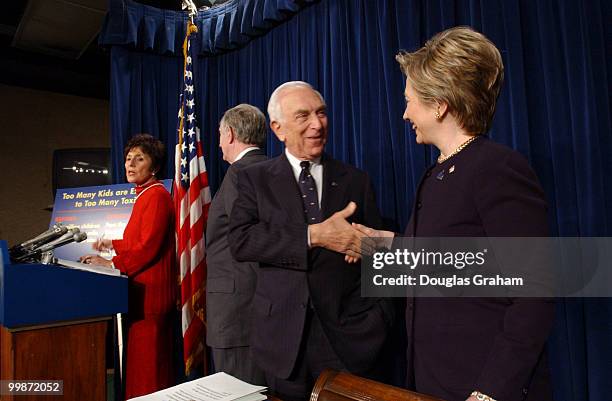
(146, 254)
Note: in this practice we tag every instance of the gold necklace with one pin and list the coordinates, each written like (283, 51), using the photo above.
(442, 159)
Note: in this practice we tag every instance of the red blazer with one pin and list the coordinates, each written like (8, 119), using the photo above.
(147, 255)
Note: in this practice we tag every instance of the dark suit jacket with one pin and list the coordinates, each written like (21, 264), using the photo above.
(268, 226)
(493, 345)
(230, 285)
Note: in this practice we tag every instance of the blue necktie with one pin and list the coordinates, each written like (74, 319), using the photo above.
(310, 198)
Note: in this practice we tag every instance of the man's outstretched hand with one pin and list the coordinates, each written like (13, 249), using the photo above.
(337, 234)
(371, 239)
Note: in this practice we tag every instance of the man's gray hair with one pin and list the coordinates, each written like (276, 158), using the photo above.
(248, 123)
(274, 108)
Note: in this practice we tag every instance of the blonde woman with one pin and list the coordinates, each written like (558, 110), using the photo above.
(471, 348)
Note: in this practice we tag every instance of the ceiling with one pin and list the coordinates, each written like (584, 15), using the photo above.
(52, 45)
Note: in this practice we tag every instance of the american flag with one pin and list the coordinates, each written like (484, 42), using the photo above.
(191, 203)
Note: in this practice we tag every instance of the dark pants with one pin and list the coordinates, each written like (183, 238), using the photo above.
(316, 354)
(238, 362)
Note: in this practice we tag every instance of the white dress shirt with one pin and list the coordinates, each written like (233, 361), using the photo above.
(244, 152)
(316, 170)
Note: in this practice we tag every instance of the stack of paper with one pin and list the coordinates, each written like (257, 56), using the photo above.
(217, 387)
(87, 267)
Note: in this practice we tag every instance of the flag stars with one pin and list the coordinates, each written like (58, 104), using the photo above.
(191, 132)
(191, 177)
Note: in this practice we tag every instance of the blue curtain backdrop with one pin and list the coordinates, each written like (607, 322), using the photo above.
(554, 107)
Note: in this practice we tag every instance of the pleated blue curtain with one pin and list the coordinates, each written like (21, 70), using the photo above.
(554, 107)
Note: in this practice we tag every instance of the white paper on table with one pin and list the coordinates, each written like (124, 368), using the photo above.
(252, 397)
(217, 387)
(87, 267)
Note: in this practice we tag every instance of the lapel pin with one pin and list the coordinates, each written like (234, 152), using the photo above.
(334, 184)
(440, 175)
(451, 169)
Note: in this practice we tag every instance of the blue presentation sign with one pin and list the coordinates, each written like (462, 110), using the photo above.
(98, 211)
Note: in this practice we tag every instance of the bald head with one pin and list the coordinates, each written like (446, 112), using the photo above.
(298, 117)
(275, 103)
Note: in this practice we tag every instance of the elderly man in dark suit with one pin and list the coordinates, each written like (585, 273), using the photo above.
(231, 284)
(291, 217)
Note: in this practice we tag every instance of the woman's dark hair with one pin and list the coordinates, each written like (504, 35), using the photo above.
(152, 147)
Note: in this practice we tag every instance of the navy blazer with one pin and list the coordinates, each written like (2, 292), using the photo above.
(493, 345)
(268, 226)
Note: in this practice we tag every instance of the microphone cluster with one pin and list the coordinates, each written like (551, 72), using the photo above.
(55, 237)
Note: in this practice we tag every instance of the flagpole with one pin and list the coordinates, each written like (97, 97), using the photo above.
(192, 201)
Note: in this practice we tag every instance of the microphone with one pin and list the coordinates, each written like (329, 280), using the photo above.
(56, 231)
(73, 236)
(22, 250)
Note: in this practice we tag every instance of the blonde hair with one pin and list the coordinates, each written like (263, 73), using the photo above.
(461, 68)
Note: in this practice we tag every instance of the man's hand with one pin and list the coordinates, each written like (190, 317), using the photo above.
(372, 239)
(379, 238)
(336, 234)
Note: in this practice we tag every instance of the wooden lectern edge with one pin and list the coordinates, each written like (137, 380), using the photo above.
(57, 324)
(342, 387)
(324, 377)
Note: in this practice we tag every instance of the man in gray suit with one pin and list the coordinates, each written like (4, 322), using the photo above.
(231, 284)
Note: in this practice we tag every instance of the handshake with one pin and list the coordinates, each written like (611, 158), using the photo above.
(352, 240)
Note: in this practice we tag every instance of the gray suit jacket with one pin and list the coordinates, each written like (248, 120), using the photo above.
(230, 284)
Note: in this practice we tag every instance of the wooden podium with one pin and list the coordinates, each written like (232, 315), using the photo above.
(53, 327)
